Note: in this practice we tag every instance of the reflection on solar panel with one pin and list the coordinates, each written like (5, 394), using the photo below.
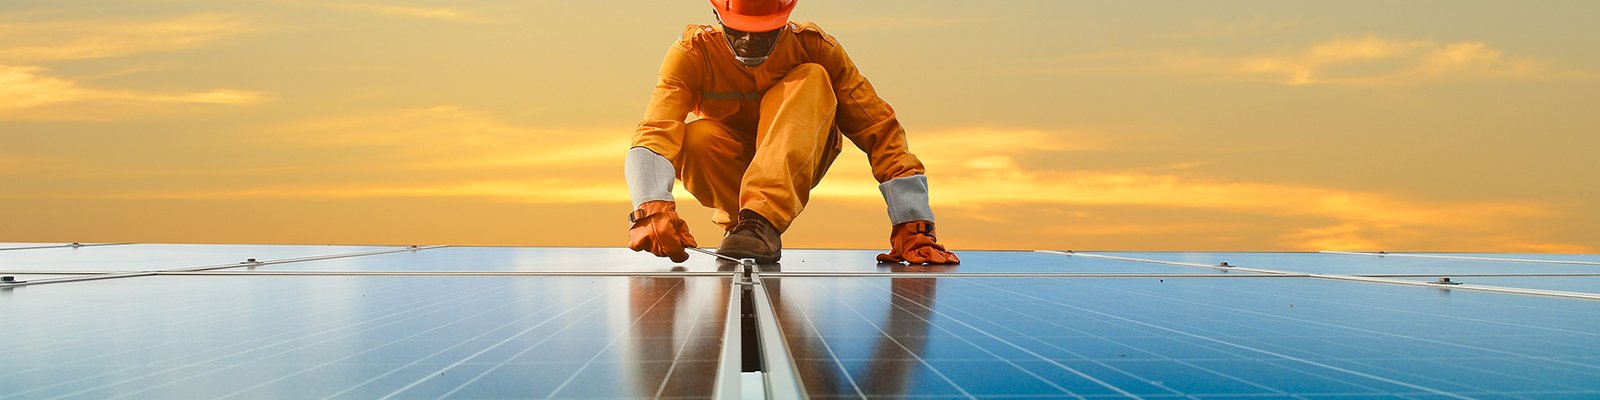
(213, 321)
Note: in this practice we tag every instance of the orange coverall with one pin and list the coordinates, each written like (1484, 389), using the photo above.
(771, 130)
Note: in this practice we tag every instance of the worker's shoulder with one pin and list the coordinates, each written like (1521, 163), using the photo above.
(810, 32)
(695, 35)
(697, 32)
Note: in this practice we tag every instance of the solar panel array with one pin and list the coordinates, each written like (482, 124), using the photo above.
(257, 321)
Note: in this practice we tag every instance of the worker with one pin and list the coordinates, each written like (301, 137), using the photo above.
(773, 99)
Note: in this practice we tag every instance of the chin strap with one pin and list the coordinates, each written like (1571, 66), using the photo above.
(751, 61)
(907, 198)
(649, 176)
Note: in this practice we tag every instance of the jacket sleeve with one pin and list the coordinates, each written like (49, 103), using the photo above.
(864, 117)
(682, 70)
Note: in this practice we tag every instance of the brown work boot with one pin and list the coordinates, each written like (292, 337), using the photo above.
(753, 237)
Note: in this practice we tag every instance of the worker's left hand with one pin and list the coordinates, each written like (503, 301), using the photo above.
(915, 243)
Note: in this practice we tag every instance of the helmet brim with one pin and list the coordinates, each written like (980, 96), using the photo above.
(754, 23)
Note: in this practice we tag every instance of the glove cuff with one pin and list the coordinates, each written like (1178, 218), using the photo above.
(649, 176)
(651, 208)
(907, 198)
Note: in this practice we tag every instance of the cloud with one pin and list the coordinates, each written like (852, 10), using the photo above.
(1372, 60)
(452, 137)
(1351, 61)
(34, 42)
(900, 23)
(444, 14)
(30, 93)
(539, 191)
(983, 177)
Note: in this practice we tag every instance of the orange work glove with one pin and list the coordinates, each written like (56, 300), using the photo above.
(657, 229)
(914, 242)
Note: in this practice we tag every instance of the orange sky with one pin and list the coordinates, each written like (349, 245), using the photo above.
(1416, 126)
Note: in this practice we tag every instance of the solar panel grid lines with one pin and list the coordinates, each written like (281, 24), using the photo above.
(403, 315)
(393, 311)
(1161, 327)
(518, 354)
(810, 329)
(591, 360)
(1320, 372)
(1041, 342)
(384, 345)
(1375, 332)
(63, 342)
(1006, 325)
(1338, 344)
(682, 348)
(895, 338)
(923, 315)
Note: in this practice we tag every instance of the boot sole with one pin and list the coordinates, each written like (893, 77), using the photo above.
(760, 258)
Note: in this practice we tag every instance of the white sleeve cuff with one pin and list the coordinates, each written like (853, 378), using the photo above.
(649, 176)
(907, 198)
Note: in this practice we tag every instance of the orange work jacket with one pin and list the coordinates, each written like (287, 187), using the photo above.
(700, 75)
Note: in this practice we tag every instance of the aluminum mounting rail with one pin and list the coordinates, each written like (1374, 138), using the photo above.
(247, 263)
(1350, 278)
(1521, 260)
(57, 246)
(777, 378)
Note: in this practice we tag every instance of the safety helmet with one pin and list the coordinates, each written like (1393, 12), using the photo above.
(754, 15)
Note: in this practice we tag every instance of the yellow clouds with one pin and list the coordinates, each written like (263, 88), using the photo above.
(1357, 61)
(533, 190)
(453, 137)
(86, 39)
(446, 14)
(441, 151)
(28, 92)
(900, 22)
(972, 176)
(1372, 60)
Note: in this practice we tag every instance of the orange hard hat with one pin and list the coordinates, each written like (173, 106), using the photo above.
(754, 15)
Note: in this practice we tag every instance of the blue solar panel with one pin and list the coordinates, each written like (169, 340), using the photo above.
(377, 321)
(362, 337)
(1181, 337)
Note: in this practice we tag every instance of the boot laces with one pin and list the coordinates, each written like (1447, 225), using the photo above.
(748, 221)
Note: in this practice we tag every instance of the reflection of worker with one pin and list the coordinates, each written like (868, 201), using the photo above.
(892, 368)
(653, 306)
(774, 97)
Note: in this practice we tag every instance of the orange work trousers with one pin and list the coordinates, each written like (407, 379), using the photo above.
(771, 170)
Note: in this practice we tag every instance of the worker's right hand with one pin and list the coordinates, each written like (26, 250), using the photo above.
(657, 229)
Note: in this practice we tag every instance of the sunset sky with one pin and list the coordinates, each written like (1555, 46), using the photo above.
(1112, 125)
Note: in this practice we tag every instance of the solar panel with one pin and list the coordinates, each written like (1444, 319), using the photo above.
(194, 321)
(363, 337)
(1148, 337)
